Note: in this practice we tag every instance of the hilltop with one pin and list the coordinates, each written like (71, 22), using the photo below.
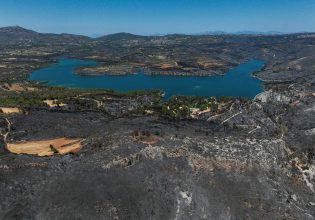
(18, 35)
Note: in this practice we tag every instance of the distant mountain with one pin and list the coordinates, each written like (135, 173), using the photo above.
(19, 35)
(259, 33)
(95, 35)
(213, 33)
(121, 36)
(241, 33)
(12, 35)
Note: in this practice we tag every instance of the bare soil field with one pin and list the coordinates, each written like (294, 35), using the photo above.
(9, 110)
(46, 147)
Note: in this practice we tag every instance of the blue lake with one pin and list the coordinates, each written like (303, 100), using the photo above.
(236, 82)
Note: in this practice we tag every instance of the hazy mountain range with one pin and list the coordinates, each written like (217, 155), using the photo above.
(242, 32)
(17, 34)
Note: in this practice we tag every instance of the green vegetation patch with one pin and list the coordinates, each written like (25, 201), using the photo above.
(178, 107)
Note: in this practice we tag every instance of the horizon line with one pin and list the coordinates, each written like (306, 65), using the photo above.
(213, 33)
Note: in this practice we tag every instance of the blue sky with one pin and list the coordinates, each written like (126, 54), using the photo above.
(158, 16)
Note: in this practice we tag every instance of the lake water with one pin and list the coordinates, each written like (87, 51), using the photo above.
(236, 82)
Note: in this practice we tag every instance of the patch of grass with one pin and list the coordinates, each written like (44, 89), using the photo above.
(53, 149)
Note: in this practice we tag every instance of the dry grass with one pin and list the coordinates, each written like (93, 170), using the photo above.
(166, 66)
(46, 147)
(8, 110)
(145, 137)
(209, 63)
(17, 87)
(194, 112)
(53, 103)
